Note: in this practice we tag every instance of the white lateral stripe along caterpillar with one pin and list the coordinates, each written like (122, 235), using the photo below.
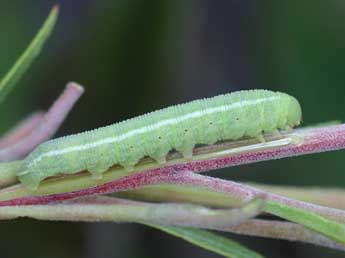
(206, 121)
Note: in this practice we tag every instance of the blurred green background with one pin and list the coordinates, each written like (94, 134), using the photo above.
(135, 56)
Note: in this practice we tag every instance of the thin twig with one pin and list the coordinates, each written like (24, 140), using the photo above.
(103, 208)
(329, 197)
(282, 230)
(47, 128)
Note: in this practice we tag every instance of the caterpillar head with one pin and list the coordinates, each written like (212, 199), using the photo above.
(294, 115)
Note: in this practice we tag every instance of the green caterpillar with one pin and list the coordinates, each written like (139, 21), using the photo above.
(206, 121)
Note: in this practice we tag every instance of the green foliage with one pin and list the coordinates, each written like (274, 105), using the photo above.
(29, 55)
(309, 219)
(210, 241)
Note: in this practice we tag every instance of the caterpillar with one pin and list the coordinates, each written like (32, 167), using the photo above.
(225, 117)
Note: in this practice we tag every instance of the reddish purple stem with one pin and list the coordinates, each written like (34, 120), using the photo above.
(282, 230)
(156, 176)
(315, 140)
(46, 127)
(182, 177)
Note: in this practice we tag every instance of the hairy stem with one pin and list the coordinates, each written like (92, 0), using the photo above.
(282, 230)
(238, 193)
(329, 197)
(103, 208)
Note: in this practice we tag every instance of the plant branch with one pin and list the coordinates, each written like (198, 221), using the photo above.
(329, 197)
(103, 208)
(48, 126)
(319, 218)
(239, 193)
(282, 230)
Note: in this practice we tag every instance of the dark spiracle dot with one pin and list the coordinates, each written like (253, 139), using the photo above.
(211, 123)
(185, 130)
(131, 146)
(237, 118)
(160, 137)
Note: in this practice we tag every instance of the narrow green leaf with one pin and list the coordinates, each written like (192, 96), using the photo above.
(309, 219)
(210, 241)
(29, 55)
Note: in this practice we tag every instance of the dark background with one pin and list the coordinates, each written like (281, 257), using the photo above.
(135, 56)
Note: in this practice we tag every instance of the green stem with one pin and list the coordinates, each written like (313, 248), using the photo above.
(328, 197)
(103, 208)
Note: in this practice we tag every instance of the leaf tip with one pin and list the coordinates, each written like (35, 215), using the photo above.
(56, 9)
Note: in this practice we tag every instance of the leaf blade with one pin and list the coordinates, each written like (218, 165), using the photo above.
(210, 241)
(325, 226)
(29, 55)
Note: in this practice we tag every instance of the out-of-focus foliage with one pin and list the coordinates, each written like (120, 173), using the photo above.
(31, 52)
(134, 56)
(210, 241)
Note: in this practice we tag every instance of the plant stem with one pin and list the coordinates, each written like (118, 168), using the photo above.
(329, 197)
(282, 230)
(103, 208)
(238, 193)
